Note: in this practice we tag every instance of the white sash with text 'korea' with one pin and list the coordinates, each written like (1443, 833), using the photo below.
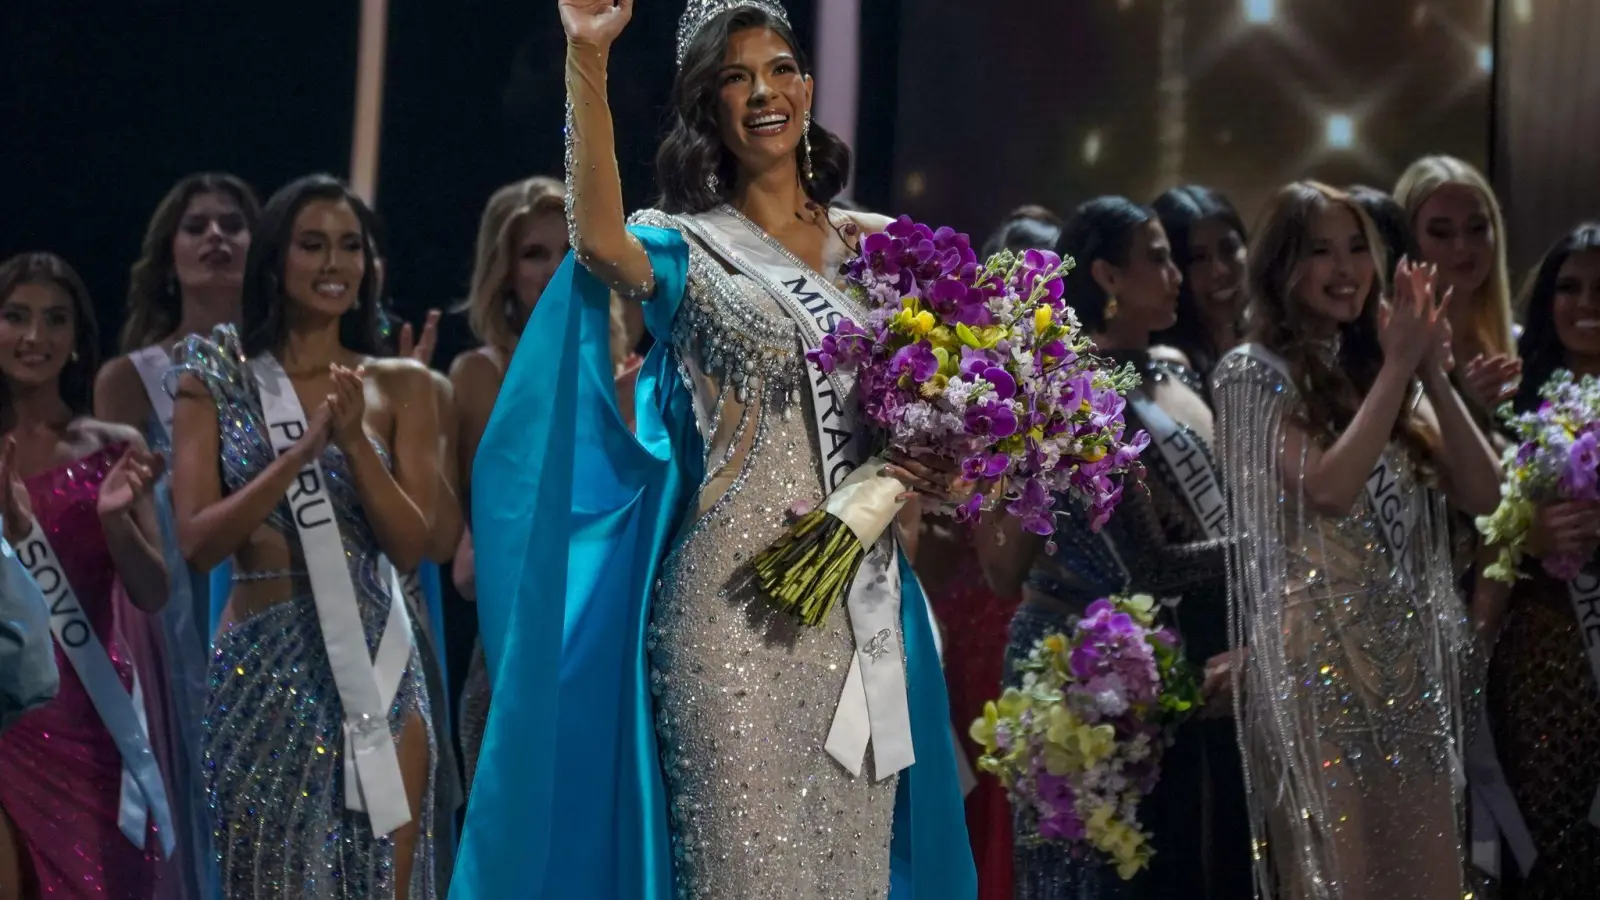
(367, 685)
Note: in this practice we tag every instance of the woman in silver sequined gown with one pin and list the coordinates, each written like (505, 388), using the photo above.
(1341, 587)
(743, 694)
(274, 736)
(1154, 543)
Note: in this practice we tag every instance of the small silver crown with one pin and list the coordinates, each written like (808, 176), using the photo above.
(699, 12)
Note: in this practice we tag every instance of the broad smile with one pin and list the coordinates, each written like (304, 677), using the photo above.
(766, 123)
(332, 290)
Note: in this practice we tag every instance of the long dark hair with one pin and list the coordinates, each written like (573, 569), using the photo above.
(1330, 390)
(76, 380)
(1102, 228)
(265, 326)
(1540, 345)
(1026, 228)
(155, 306)
(1393, 223)
(693, 151)
(1180, 210)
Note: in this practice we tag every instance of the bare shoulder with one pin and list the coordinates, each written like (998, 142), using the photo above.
(119, 392)
(401, 377)
(476, 371)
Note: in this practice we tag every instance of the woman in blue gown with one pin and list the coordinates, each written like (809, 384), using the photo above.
(658, 730)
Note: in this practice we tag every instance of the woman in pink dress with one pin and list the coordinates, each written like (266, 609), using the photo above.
(83, 813)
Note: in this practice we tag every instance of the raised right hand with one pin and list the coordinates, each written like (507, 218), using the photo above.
(596, 22)
(16, 510)
(1411, 327)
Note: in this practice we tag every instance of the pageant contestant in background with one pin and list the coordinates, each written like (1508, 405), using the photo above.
(85, 808)
(188, 280)
(28, 675)
(1341, 435)
(974, 618)
(1166, 539)
(1543, 681)
(1459, 229)
(1393, 224)
(1208, 244)
(522, 238)
(320, 755)
(671, 742)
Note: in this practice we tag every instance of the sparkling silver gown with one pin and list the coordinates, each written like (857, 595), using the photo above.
(274, 736)
(745, 695)
(1352, 705)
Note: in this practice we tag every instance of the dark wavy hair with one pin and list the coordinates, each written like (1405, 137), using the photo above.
(1102, 228)
(154, 306)
(1180, 210)
(265, 328)
(1330, 391)
(1025, 228)
(693, 149)
(1540, 345)
(76, 380)
(1393, 222)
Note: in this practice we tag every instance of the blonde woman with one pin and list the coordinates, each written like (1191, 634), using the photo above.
(522, 239)
(1459, 229)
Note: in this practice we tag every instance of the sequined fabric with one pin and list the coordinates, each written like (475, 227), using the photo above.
(1153, 544)
(60, 773)
(1546, 713)
(474, 710)
(273, 736)
(1353, 703)
(745, 695)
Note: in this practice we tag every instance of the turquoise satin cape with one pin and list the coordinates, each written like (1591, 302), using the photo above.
(572, 516)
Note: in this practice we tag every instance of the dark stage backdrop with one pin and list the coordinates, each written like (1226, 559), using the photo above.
(1017, 101)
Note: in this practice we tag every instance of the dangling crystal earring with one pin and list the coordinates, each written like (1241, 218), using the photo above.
(1110, 310)
(805, 138)
(713, 183)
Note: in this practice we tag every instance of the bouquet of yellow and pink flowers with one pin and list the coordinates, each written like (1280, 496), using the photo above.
(1079, 744)
(981, 363)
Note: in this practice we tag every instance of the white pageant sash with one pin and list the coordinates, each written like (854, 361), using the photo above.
(873, 706)
(367, 686)
(1201, 487)
(144, 796)
(1585, 593)
(152, 363)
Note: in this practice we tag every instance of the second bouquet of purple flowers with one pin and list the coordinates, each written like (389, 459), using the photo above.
(979, 362)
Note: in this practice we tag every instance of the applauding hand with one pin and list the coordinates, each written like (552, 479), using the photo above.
(130, 480)
(16, 510)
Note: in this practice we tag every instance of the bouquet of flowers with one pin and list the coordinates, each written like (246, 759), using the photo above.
(980, 363)
(1556, 459)
(1080, 744)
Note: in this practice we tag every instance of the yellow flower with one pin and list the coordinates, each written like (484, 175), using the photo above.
(1041, 319)
(916, 324)
(1072, 744)
(934, 386)
(1056, 643)
(1094, 454)
(981, 338)
(1011, 705)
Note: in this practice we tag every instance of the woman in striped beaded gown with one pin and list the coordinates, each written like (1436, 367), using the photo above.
(290, 820)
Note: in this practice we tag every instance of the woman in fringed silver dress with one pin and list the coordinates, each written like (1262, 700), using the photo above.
(295, 685)
(1351, 707)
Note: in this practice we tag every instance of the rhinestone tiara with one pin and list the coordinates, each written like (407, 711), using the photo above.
(699, 12)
